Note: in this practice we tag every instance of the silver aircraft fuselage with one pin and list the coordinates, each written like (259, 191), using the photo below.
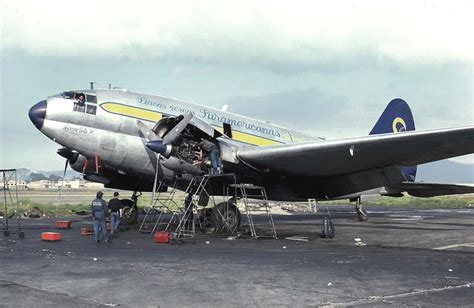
(105, 126)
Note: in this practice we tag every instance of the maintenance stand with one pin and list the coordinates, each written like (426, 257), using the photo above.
(210, 205)
(9, 199)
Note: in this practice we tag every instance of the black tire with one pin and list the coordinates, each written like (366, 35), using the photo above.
(225, 212)
(362, 215)
(21, 234)
(129, 214)
(6, 233)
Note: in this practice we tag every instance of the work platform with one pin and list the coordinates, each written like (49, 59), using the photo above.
(211, 204)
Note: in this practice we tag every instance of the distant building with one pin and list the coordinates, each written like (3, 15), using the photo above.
(67, 185)
(43, 185)
(12, 185)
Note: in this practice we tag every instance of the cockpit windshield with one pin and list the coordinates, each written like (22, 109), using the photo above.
(83, 102)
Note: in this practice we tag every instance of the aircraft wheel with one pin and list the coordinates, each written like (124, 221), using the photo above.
(362, 216)
(129, 213)
(225, 217)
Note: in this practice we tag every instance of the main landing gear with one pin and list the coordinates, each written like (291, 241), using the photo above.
(362, 215)
(130, 209)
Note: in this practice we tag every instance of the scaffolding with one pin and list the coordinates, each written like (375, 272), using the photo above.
(10, 200)
(182, 220)
(258, 204)
(162, 204)
(197, 196)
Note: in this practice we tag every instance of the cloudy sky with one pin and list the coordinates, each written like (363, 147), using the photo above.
(324, 67)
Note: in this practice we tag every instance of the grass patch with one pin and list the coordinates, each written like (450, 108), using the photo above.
(457, 201)
(49, 209)
(55, 209)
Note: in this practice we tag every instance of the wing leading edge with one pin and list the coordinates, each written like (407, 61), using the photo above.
(420, 189)
(330, 158)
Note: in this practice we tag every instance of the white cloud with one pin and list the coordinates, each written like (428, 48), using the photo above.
(264, 33)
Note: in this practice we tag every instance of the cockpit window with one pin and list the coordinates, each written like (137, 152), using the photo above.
(68, 94)
(83, 102)
(80, 97)
(79, 107)
(91, 109)
(91, 98)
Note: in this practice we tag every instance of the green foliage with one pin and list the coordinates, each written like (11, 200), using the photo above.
(33, 177)
(49, 209)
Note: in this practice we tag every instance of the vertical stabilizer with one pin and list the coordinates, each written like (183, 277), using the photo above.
(396, 118)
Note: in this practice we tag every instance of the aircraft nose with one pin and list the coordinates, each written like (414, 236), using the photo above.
(37, 114)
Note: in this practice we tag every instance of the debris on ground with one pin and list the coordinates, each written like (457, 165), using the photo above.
(359, 242)
(35, 212)
(298, 238)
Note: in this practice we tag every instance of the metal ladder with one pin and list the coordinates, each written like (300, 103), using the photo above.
(250, 191)
(187, 224)
(162, 204)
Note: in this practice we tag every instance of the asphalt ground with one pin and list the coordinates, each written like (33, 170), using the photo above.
(405, 257)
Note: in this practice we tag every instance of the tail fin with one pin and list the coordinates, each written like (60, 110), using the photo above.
(397, 117)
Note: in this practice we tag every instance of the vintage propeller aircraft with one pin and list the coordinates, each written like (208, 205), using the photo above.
(119, 138)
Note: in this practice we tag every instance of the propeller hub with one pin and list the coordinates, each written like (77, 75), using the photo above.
(157, 146)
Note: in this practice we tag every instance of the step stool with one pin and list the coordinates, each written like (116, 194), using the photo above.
(85, 231)
(63, 224)
(50, 236)
(162, 237)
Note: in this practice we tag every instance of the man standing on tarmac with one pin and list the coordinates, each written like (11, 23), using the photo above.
(99, 216)
(114, 206)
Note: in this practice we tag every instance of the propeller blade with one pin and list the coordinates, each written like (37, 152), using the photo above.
(66, 153)
(178, 129)
(145, 132)
(64, 175)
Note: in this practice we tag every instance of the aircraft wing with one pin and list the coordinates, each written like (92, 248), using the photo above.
(332, 158)
(419, 189)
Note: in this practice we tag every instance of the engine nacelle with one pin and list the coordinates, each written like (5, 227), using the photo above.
(178, 165)
(82, 164)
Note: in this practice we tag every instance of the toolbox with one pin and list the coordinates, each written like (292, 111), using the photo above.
(86, 231)
(162, 237)
(50, 236)
(63, 224)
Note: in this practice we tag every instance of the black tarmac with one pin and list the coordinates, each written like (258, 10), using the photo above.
(399, 257)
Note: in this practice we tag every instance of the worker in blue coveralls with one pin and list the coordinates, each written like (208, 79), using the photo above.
(213, 152)
(99, 216)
